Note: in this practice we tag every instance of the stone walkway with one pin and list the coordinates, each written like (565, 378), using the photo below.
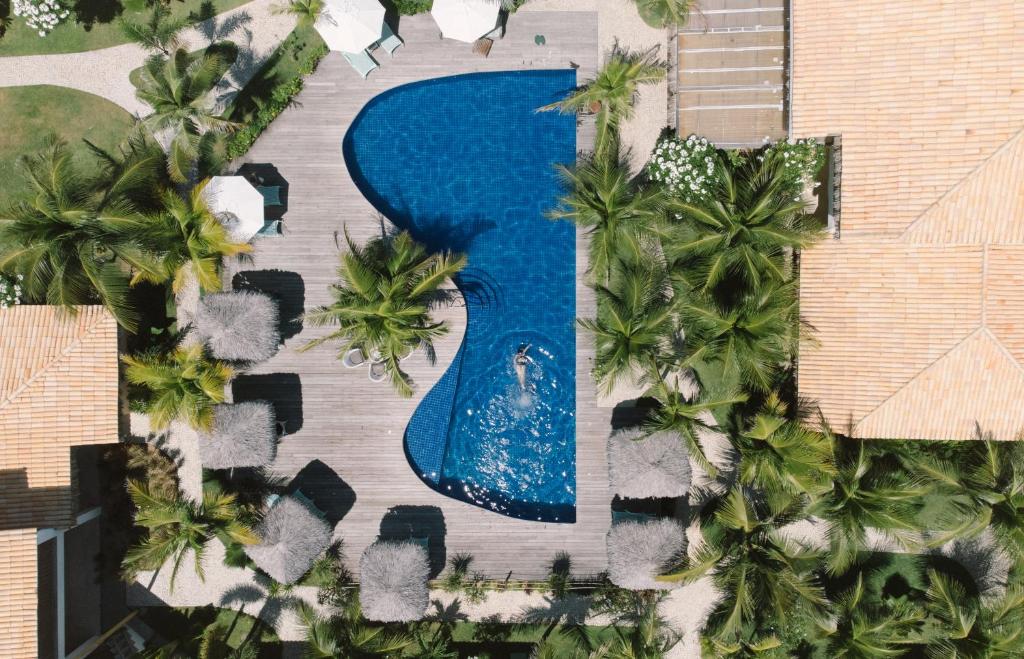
(104, 72)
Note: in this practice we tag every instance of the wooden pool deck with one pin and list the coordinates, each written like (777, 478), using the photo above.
(345, 441)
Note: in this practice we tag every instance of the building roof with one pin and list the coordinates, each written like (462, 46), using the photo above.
(58, 390)
(917, 308)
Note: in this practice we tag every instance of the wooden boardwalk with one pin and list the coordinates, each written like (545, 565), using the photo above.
(345, 446)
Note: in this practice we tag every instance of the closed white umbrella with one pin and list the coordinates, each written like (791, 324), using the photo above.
(351, 25)
(237, 205)
(465, 20)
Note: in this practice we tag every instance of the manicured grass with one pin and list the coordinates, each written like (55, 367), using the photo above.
(498, 640)
(29, 114)
(96, 25)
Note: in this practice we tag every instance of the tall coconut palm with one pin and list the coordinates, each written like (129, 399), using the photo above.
(740, 236)
(986, 477)
(867, 493)
(640, 629)
(662, 13)
(751, 340)
(383, 299)
(781, 456)
(178, 88)
(175, 525)
(969, 627)
(612, 93)
(635, 325)
(689, 416)
(347, 635)
(863, 627)
(753, 646)
(63, 240)
(620, 215)
(187, 240)
(306, 12)
(184, 384)
(160, 32)
(762, 574)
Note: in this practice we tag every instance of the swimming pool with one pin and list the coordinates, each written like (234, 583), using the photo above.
(465, 163)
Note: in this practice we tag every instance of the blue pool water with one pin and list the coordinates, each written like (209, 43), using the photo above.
(465, 163)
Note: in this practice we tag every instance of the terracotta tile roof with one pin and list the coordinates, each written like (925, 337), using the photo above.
(58, 390)
(18, 597)
(919, 307)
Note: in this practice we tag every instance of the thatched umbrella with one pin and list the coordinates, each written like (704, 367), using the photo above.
(640, 551)
(393, 581)
(293, 536)
(243, 435)
(238, 326)
(656, 466)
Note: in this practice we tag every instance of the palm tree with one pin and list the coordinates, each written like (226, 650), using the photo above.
(161, 31)
(382, 303)
(973, 628)
(740, 237)
(63, 239)
(782, 457)
(620, 216)
(612, 93)
(187, 240)
(749, 341)
(635, 323)
(178, 88)
(762, 574)
(306, 12)
(662, 13)
(986, 479)
(185, 384)
(347, 635)
(867, 493)
(754, 647)
(689, 417)
(176, 525)
(862, 627)
(640, 630)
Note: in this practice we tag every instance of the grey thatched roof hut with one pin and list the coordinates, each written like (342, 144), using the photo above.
(238, 326)
(293, 536)
(393, 581)
(657, 466)
(640, 551)
(243, 435)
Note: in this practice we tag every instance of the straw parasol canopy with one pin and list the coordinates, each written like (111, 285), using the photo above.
(640, 551)
(238, 326)
(393, 581)
(237, 204)
(655, 466)
(243, 435)
(293, 536)
(350, 26)
(465, 20)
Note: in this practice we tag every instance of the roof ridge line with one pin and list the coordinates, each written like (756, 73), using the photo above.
(1003, 348)
(906, 384)
(71, 347)
(963, 181)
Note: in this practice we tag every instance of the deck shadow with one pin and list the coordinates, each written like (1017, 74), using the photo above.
(408, 522)
(285, 287)
(325, 488)
(282, 390)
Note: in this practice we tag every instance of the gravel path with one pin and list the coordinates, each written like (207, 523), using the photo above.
(104, 72)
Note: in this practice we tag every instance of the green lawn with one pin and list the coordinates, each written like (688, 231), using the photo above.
(96, 25)
(29, 114)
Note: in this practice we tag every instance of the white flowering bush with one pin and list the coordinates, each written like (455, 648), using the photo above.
(10, 290)
(688, 168)
(41, 15)
(801, 159)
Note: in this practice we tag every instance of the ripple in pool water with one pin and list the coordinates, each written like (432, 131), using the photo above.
(466, 163)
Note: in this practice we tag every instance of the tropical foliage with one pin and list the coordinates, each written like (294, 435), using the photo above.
(184, 385)
(160, 32)
(383, 299)
(662, 13)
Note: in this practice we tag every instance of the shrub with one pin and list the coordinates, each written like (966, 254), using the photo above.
(40, 15)
(410, 7)
(10, 290)
(687, 167)
(801, 159)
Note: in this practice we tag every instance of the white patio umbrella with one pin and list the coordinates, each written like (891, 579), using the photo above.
(237, 205)
(465, 20)
(350, 25)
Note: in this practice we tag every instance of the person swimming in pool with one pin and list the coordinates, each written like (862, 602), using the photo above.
(520, 361)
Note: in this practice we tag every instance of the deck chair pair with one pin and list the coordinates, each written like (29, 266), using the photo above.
(363, 62)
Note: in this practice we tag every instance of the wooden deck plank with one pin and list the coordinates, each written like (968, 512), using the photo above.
(353, 427)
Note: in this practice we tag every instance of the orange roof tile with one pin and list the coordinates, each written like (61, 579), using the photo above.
(18, 596)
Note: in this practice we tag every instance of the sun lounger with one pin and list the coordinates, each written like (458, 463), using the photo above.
(389, 40)
(620, 516)
(482, 47)
(353, 358)
(272, 229)
(361, 62)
